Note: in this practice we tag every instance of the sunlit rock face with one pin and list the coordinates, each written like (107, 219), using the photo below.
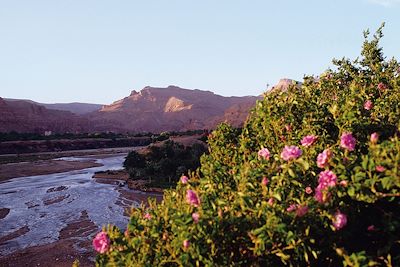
(285, 83)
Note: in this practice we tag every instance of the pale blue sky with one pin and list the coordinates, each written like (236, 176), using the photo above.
(98, 51)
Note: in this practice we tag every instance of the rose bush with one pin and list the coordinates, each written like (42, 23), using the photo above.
(324, 193)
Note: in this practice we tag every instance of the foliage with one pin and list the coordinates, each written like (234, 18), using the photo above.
(334, 202)
(163, 165)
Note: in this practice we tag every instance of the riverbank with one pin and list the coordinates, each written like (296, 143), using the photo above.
(32, 157)
(117, 176)
(42, 167)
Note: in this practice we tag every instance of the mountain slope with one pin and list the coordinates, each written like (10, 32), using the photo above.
(75, 107)
(167, 109)
(25, 116)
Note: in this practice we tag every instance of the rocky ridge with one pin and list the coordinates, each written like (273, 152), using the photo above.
(152, 109)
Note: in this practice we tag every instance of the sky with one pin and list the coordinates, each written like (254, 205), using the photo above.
(97, 51)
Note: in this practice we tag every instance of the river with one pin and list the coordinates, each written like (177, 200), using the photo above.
(43, 205)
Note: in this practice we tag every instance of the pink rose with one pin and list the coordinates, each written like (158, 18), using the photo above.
(101, 242)
(323, 158)
(186, 244)
(184, 179)
(147, 216)
(380, 168)
(192, 198)
(374, 138)
(368, 105)
(291, 152)
(271, 201)
(382, 87)
(291, 208)
(347, 141)
(308, 140)
(264, 153)
(322, 194)
(339, 221)
(195, 217)
(327, 179)
(301, 211)
(309, 190)
(264, 181)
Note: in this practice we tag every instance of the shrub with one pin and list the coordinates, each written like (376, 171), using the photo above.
(163, 165)
(323, 191)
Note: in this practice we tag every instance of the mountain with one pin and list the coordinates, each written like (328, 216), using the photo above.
(152, 109)
(173, 108)
(284, 84)
(75, 107)
(26, 116)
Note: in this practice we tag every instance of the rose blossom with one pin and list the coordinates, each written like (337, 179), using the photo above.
(308, 190)
(368, 105)
(195, 217)
(321, 194)
(186, 244)
(147, 216)
(291, 208)
(264, 181)
(291, 152)
(374, 138)
(264, 153)
(184, 179)
(271, 201)
(323, 158)
(327, 179)
(382, 87)
(339, 221)
(192, 198)
(343, 183)
(301, 211)
(380, 168)
(308, 140)
(101, 242)
(347, 141)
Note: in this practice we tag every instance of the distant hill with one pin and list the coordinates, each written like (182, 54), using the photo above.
(168, 109)
(75, 107)
(26, 116)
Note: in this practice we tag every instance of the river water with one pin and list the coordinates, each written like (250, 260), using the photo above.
(45, 204)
